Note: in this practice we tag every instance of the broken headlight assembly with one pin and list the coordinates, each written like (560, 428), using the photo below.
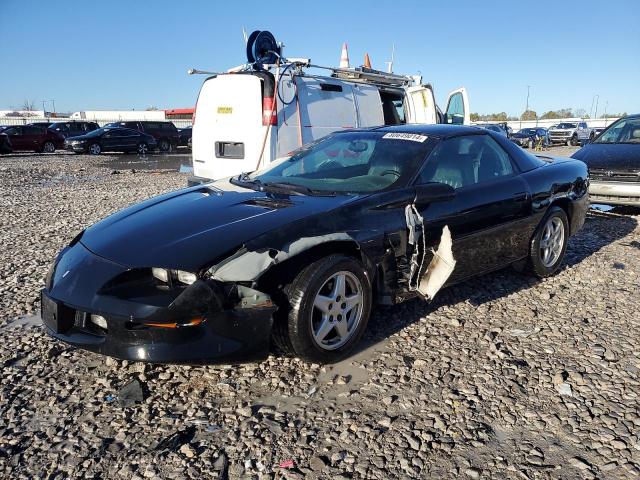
(166, 275)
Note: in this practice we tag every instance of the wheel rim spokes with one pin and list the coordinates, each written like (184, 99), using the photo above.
(337, 309)
(551, 242)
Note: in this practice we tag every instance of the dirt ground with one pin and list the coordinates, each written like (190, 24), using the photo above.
(504, 376)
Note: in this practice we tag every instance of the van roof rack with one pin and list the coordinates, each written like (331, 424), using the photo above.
(370, 75)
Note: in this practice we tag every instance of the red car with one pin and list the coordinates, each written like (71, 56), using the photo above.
(27, 137)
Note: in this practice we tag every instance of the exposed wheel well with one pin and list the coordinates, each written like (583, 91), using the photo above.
(283, 273)
(565, 204)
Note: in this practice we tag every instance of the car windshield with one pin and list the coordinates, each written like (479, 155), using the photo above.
(566, 125)
(528, 131)
(354, 162)
(625, 130)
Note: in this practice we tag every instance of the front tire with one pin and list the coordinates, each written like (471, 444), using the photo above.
(549, 243)
(142, 148)
(164, 145)
(574, 141)
(95, 149)
(328, 307)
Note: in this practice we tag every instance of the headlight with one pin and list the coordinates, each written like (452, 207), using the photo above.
(164, 275)
(186, 277)
(161, 274)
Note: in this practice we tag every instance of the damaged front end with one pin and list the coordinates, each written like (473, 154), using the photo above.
(101, 306)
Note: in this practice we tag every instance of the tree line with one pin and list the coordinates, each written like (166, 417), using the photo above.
(533, 115)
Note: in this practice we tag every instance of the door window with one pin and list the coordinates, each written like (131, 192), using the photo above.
(33, 131)
(13, 131)
(468, 160)
(455, 109)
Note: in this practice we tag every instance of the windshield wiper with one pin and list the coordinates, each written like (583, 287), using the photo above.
(296, 188)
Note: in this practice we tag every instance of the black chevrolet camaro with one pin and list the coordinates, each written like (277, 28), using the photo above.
(299, 252)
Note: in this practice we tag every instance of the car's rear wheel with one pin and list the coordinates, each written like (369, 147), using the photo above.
(143, 148)
(328, 307)
(164, 145)
(94, 149)
(48, 147)
(549, 243)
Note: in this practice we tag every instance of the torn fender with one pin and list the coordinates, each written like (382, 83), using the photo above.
(440, 268)
(427, 282)
(247, 266)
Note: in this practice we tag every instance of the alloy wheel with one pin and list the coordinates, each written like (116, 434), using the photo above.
(143, 149)
(551, 242)
(49, 147)
(94, 149)
(337, 310)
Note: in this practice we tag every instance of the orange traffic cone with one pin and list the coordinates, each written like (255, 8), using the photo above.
(367, 61)
(344, 57)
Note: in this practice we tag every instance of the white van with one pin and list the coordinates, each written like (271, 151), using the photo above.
(236, 129)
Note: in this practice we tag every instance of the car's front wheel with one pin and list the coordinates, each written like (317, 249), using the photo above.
(549, 243)
(95, 149)
(164, 145)
(328, 307)
(143, 148)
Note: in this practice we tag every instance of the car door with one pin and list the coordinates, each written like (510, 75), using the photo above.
(129, 139)
(16, 137)
(33, 137)
(111, 140)
(491, 202)
(457, 111)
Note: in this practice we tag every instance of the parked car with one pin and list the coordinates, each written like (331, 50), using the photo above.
(302, 250)
(184, 136)
(528, 137)
(571, 133)
(5, 143)
(108, 139)
(613, 159)
(494, 128)
(245, 120)
(36, 139)
(73, 128)
(165, 133)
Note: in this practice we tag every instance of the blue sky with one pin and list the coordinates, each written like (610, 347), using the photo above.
(91, 55)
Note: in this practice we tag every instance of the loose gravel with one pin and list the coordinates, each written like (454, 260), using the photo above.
(504, 376)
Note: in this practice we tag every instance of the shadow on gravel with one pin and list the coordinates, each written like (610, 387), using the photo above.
(601, 229)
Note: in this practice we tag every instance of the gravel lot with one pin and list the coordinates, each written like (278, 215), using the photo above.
(501, 377)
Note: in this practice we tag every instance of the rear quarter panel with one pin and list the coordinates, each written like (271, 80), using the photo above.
(562, 182)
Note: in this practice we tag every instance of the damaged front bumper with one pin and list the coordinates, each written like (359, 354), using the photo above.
(100, 306)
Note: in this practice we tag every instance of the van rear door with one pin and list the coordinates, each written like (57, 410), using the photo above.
(422, 105)
(458, 108)
(228, 130)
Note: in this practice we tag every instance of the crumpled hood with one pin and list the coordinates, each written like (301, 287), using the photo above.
(614, 156)
(189, 228)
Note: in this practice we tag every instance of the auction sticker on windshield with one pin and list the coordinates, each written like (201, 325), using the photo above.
(412, 137)
(225, 109)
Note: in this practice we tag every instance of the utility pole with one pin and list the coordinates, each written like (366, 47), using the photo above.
(526, 109)
(595, 115)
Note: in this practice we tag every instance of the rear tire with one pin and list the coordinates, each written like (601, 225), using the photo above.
(327, 308)
(48, 147)
(142, 148)
(549, 243)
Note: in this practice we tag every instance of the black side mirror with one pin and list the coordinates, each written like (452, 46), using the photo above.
(433, 192)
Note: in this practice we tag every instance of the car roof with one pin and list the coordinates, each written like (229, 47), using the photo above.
(433, 130)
